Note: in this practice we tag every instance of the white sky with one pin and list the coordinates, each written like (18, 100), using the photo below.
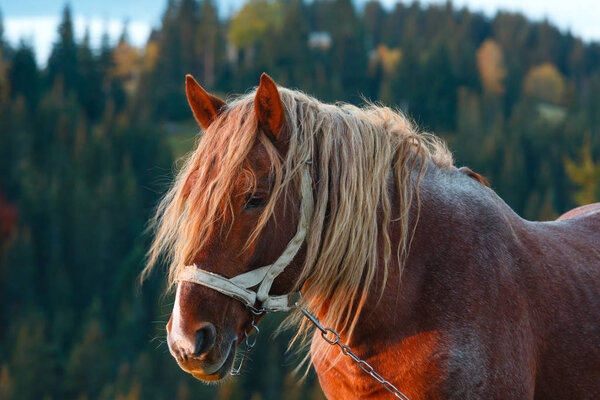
(40, 31)
(36, 20)
(582, 17)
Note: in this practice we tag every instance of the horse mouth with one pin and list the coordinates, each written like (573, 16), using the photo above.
(221, 371)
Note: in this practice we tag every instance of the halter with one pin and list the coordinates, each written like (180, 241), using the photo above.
(239, 286)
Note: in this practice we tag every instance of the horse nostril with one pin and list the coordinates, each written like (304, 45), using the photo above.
(205, 339)
(199, 340)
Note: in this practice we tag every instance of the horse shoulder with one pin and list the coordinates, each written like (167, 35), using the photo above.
(417, 366)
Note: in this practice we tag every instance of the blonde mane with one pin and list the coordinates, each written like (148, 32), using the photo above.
(356, 150)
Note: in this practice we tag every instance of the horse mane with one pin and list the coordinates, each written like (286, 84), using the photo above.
(356, 150)
(475, 176)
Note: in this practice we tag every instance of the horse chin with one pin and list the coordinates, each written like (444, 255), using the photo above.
(220, 372)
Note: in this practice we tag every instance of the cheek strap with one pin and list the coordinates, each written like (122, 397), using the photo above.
(239, 286)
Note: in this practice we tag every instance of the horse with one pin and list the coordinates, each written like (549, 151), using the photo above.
(416, 265)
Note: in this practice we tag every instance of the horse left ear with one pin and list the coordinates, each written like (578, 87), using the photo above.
(205, 106)
(269, 109)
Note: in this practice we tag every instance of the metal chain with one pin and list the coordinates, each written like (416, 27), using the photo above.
(249, 344)
(346, 350)
(365, 366)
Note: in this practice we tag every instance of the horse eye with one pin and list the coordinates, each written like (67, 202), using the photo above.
(254, 202)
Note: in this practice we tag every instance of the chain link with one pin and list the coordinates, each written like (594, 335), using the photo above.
(249, 341)
(347, 351)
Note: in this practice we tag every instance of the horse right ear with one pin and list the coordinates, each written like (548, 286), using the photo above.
(204, 106)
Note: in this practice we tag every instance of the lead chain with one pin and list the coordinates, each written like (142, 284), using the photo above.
(365, 366)
(249, 342)
(346, 350)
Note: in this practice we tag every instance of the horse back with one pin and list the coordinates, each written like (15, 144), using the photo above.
(566, 303)
(581, 211)
(583, 224)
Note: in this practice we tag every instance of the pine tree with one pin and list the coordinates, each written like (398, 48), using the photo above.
(24, 76)
(90, 351)
(349, 56)
(167, 78)
(89, 89)
(374, 16)
(208, 42)
(285, 52)
(4, 66)
(62, 63)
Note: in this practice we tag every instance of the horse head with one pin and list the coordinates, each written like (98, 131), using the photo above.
(222, 227)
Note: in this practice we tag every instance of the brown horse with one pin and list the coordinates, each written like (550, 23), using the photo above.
(423, 270)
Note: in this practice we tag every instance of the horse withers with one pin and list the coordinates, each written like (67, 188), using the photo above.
(423, 271)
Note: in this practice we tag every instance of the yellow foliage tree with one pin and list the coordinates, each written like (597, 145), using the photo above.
(586, 175)
(253, 20)
(127, 64)
(388, 58)
(126, 59)
(6, 383)
(544, 82)
(150, 55)
(490, 63)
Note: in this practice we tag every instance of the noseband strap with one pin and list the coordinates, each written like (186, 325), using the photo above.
(239, 286)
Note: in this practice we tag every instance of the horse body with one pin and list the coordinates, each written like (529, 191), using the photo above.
(489, 306)
(477, 303)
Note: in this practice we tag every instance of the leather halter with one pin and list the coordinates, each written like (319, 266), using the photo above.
(239, 286)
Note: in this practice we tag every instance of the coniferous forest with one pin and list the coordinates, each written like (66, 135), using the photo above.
(89, 142)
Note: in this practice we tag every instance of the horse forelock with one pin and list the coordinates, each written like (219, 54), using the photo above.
(200, 201)
(354, 150)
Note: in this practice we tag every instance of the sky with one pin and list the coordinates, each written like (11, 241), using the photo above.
(35, 21)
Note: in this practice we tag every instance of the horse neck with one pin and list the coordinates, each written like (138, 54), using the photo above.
(462, 225)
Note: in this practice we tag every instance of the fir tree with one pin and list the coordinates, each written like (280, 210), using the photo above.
(62, 64)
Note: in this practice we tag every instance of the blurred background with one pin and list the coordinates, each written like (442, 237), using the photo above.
(93, 117)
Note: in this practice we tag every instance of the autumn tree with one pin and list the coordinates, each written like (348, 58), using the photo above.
(490, 63)
(544, 82)
(585, 173)
(252, 21)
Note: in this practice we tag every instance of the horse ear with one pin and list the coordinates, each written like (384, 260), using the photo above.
(269, 109)
(204, 106)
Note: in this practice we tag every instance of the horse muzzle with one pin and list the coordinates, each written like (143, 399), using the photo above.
(204, 354)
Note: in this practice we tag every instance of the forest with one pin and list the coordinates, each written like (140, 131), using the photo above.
(90, 141)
